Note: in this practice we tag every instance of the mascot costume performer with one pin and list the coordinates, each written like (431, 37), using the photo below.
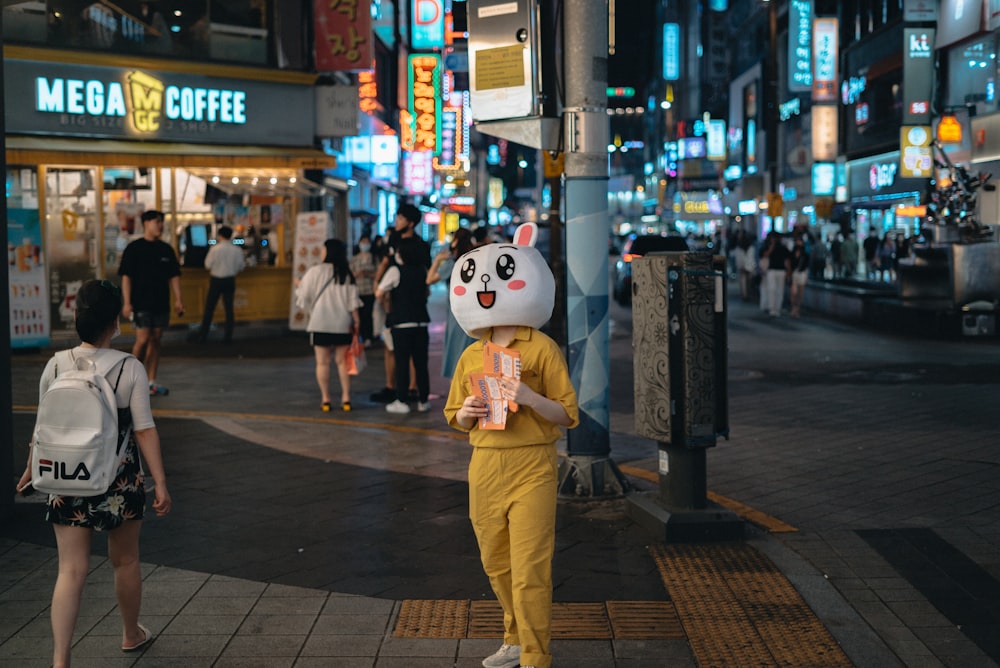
(512, 393)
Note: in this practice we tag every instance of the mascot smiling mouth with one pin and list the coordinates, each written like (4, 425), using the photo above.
(487, 298)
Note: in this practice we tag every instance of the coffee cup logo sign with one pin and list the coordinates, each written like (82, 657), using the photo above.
(143, 100)
(882, 175)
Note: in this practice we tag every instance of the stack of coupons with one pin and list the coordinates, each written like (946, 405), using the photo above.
(498, 363)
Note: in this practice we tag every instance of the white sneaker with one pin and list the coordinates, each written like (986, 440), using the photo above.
(423, 406)
(508, 656)
(397, 407)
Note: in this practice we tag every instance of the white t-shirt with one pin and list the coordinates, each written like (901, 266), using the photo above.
(330, 309)
(224, 260)
(133, 388)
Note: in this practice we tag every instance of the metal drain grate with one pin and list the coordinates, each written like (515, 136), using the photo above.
(432, 619)
(485, 620)
(587, 621)
(738, 609)
(580, 620)
(644, 619)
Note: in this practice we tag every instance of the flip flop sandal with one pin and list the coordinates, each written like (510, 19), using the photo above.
(148, 638)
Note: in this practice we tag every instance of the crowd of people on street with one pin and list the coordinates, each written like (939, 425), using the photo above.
(766, 269)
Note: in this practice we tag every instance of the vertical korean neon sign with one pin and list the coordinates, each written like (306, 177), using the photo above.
(424, 78)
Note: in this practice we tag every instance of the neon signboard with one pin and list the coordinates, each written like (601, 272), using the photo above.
(143, 99)
(424, 78)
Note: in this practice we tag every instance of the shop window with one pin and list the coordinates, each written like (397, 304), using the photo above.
(72, 237)
(126, 193)
(234, 31)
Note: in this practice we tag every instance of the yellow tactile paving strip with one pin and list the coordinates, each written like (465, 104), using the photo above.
(737, 609)
(763, 520)
(589, 621)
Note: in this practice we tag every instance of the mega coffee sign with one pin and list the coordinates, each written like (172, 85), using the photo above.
(62, 99)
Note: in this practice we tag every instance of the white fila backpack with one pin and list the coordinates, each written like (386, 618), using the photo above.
(77, 445)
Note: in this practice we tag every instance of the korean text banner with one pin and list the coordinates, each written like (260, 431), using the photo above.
(343, 35)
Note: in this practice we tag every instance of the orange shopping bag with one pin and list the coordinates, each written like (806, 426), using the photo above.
(356, 358)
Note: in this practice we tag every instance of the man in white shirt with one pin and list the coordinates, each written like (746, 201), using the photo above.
(223, 261)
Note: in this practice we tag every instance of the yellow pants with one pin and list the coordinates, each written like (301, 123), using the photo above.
(512, 504)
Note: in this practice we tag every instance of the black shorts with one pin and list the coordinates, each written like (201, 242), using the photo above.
(328, 339)
(150, 320)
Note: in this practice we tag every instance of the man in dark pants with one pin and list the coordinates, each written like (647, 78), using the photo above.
(224, 261)
(150, 273)
(404, 227)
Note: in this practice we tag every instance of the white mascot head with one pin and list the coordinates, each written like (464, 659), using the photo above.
(503, 284)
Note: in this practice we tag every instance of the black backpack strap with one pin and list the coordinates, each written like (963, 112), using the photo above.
(121, 370)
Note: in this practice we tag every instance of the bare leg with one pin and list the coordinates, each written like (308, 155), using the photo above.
(340, 357)
(390, 369)
(74, 562)
(323, 371)
(123, 551)
(141, 343)
(152, 360)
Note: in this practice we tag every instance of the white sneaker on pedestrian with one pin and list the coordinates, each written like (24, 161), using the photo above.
(397, 407)
(508, 656)
(423, 406)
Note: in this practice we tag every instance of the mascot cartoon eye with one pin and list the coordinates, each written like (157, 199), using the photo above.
(468, 270)
(505, 266)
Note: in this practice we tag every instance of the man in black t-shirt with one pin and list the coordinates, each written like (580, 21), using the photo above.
(150, 272)
(404, 227)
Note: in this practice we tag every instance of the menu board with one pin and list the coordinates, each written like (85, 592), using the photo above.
(312, 229)
(29, 313)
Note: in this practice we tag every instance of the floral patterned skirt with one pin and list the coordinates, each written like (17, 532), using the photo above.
(124, 500)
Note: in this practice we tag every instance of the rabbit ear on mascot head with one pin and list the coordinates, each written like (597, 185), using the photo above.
(526, 234)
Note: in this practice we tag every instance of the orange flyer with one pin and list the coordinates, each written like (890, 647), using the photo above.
(503, 362)
(487, 386)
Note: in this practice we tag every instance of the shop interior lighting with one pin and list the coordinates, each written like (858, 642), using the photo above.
(215, 179)
(236, 180)
(274, 181)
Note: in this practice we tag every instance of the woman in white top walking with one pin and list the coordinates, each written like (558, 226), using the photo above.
(329, 292)
(119, 511)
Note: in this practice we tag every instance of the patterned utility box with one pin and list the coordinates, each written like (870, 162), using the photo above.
(679, 344)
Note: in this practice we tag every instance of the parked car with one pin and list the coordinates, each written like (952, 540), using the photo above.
(637, 246)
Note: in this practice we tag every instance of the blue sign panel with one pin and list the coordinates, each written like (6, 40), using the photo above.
(671, 51)
(428, 24)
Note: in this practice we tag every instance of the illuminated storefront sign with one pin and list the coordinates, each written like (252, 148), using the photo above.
(425, 101)
(428, 24)
(715, 141)
(450, 138)
(824, 178)
(418, 173)
(800, 77)
(367, 92)
(825, 53)
(343, 41)
(915, 160)
(824, 132)
(918, 75)
(143, 101)
(671, 51)
(90, 101)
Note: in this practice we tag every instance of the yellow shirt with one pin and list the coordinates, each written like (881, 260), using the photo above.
(543, 369)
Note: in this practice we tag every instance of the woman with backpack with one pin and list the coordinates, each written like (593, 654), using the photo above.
(119, 510)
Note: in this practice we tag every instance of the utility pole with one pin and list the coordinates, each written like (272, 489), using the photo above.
(6, 387)
(587, 470)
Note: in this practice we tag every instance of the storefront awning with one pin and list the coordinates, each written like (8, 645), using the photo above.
(30, 150)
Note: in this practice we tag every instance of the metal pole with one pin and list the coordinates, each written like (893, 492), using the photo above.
(7, 466)
(587, 469)
(771, 101)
